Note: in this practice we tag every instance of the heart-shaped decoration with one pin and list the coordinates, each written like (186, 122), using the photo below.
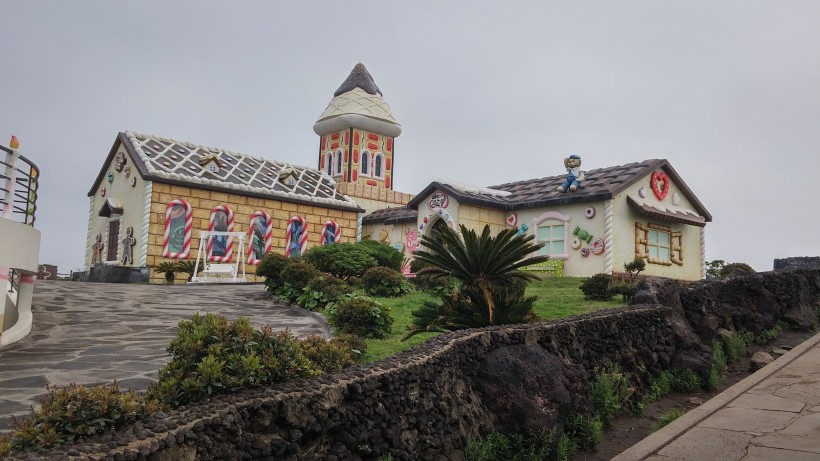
(660, 184)
(512, 219)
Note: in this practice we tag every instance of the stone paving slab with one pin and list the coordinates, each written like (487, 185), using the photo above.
(774, 414)
(90, 333)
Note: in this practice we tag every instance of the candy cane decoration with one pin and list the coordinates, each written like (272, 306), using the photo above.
(268, 235)
(229, 245)
(189, 224)
(337, 234)
(302, 238)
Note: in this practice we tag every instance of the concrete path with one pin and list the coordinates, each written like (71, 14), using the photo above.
(771, 415)
(98, 332)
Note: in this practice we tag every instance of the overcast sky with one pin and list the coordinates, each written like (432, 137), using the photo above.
(486, 92)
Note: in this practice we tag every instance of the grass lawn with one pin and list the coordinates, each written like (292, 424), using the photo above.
(558, 297)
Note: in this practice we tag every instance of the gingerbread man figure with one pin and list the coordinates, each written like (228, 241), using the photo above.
(97, 248)
(128, 243)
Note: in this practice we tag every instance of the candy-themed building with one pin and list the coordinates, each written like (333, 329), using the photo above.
(154, 196)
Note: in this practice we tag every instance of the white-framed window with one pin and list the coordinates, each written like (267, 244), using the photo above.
(365, 168)
(378, 165)
(337, 170)
(659, 244)
(552, 229)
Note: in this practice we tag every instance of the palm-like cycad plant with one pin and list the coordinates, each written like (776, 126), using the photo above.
(480, 262)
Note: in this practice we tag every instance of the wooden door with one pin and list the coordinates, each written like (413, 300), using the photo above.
(113, 239)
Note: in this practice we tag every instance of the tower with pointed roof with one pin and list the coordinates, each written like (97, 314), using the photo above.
(357, 134)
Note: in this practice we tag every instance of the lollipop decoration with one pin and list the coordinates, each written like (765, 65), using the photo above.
(253, 256)
(186, 241)
(226, 257)
(296, 236)
(331, 232)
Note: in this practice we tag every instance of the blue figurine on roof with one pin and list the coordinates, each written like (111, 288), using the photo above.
(574, 174)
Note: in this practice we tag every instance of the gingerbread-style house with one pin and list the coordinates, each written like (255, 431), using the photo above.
(640, 210)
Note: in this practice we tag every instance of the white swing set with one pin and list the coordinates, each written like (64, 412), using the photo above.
(214, 272)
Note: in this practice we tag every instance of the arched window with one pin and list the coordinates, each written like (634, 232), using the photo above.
(178, 225)
(378, 159)
(220, 247)
(365, 163)
(329, 164)
(338, 163)
(552, 229)
(260, 233)
(331, 232)
(296, 237)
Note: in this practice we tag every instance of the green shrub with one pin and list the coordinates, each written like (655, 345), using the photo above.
(67, 414)
(667, 418)
(322, 291)
(635, 267)
(326, 356)
(341, 259)
(625, 288)
(427, 282)
(769, 335)
(610, 393)
(734, 346)
(685, 381)
(530, 446)
(362, 316)
(271, 268)
(585, 431)
(731, 267)
(718, 364)
(659, 387)
(357, 346)
(382, 281)
(596, 288)
(566, 448)
(211, 355)
(385, 255)
(294, 278)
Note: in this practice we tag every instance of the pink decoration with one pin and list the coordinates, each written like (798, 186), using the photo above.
(186, 245)
(268, 235)
(598, 246)
(302, 238)
(512, 219)
(337, 235)
(412, 241)
(660, 184)
(229, 246)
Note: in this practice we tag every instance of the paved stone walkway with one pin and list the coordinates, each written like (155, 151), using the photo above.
(98, 332)
(771, 415)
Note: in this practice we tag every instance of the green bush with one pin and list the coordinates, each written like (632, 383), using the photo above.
(625, 288)
(326, 356)
(211, 355)
(322, 291)
(659, 387)
(361, 316)
(596, 288)
(294, 278)
(718, 364)
(731, 267)
(685, 381)
(357, 346)
(769, 335)
(271, 268)
(667, 418)
(530, 446)
(586, 432)
(67, 414)
(610, 393)
(734, 346)
(428, 283)
(386, 256)
(343, 260)
(382, 281)
(635, 267)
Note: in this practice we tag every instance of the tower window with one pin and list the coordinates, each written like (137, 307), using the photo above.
(338, 163)
(365, 163)
(377, 165)
(329, 164)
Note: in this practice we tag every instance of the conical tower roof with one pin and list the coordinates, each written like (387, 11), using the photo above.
(358, 103)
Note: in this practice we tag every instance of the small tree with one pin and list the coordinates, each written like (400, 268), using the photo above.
(634, 268)
(168, 268)
(187, 266)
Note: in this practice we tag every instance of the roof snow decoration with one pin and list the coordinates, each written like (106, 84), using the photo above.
(358, 103)
(476, 190)
(177, 162)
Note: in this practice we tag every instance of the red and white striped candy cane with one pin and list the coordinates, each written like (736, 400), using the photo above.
(337, 234)
(189, 224)
(268, 235)
(229, 246)
(302, 238)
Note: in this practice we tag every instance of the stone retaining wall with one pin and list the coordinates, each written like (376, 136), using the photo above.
(802, 262)
(424, 403)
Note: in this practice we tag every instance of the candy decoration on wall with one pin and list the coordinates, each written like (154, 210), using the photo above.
(296, 237)
(14, 144)
(597, 246)
(260, 236)
(128, 246)
(642, 192)
(660, 184)
(590, 212)
(186, 239)
(582, 234)
(512, 219)
(110, 177)
(331, 232)
(575, 243)
(522, 230)
(119, 161)
(223, 243)
(438, 200)
(102, 191)
(585, 251)
(412, 241)
(676, 199)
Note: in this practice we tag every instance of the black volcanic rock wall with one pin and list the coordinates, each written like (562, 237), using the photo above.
(424, 403)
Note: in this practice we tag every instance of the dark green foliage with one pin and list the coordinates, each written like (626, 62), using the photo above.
(667, 418)
(327, 356)
(596, 288)
(426, 282)
(188, 266)
(67, 414)
(386, 256)
(342, 260)
(531, 446)
(719, 268)
(635, 267)
(610, 393)
(623, 287)
(769, 335)
(361, 316)
(168, 268)
(685, 381)
(323, 291)
(742, 267)
(585, 431)
(294, 278)
(658, 388)
(211, 355)
(713, 267)
(357, 346)
(385, 282)
(718, 365)
(271, 268)
(734, 346)
(467, 309)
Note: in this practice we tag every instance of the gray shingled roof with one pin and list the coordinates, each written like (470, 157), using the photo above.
(394, 215)
(178, 162)
(598, 184)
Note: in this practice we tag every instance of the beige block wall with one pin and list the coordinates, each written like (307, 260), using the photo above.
(474, 217)
(203, 201)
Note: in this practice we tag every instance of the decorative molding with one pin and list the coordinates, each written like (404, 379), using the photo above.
(146, 222)
(608, 218)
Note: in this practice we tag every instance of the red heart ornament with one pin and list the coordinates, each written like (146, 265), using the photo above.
(660, 184)
(512, 220)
